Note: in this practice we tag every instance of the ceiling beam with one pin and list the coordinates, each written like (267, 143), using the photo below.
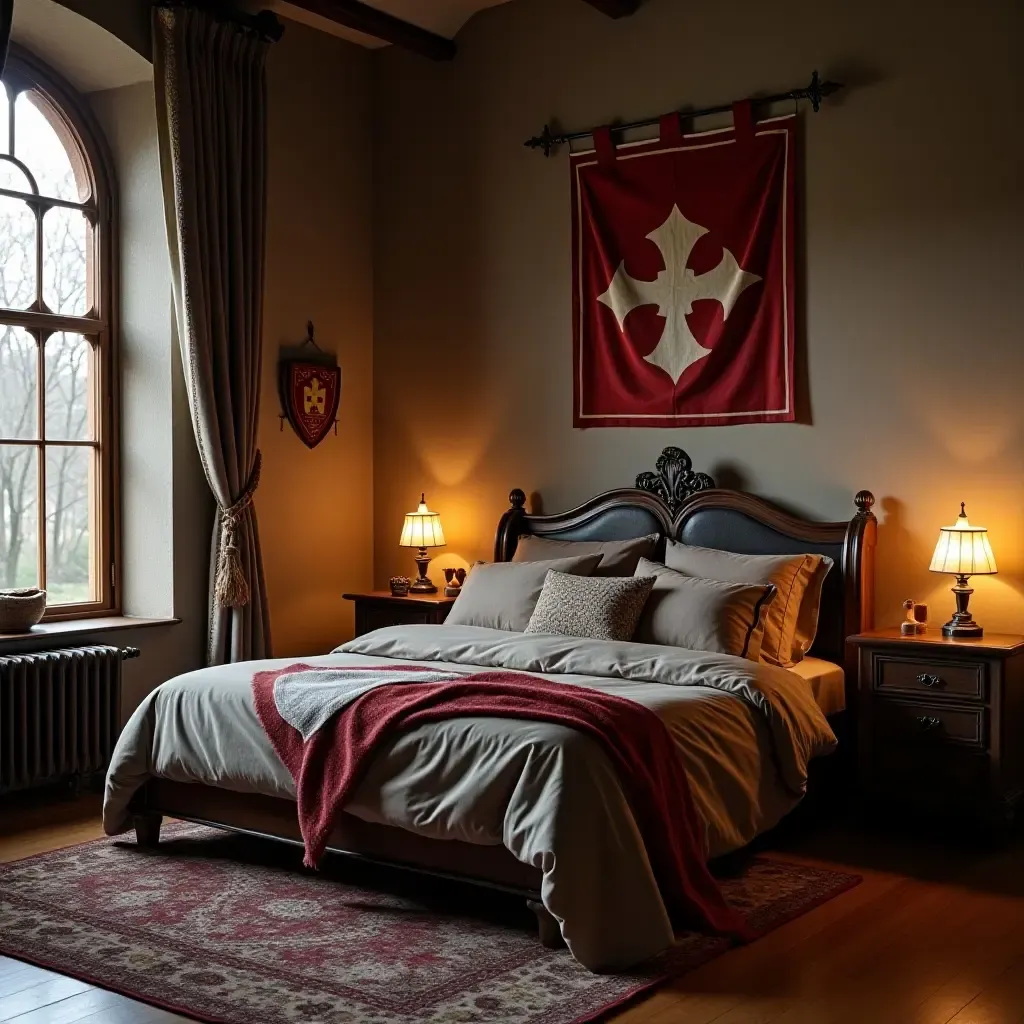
(615, 8)
(368, 20)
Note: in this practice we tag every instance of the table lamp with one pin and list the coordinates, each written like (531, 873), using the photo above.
(422, 530)
(964, 551)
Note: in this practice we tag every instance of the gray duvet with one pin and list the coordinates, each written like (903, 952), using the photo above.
(744, 733)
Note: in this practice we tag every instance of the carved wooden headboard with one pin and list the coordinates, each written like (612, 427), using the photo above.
(678, 502)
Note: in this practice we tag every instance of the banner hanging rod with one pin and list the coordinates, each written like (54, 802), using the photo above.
(815, 92)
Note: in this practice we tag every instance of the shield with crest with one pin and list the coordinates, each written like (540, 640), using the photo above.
(309, 396)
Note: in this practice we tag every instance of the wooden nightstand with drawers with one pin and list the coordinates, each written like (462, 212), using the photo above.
(381, 608)
(941, 723)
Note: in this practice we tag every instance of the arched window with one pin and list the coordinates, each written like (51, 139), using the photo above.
(57, 384)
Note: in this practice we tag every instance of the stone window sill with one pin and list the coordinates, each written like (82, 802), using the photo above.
(72, 630)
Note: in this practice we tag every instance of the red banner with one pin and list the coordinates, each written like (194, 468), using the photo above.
(683, 293)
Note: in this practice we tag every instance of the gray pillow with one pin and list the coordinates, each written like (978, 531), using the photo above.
(502, 595)
(793, 618)
(597, 608)
(618, 557)
(703, 615)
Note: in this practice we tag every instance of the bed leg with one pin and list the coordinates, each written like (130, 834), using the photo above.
(147, 828)
(550, 932)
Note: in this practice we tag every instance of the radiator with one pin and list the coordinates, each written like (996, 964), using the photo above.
(60, 714)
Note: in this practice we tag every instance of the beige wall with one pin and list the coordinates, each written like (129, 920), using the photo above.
(126, 19)
(912, 321)
(315, 507)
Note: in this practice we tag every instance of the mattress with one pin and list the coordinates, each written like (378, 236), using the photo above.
(827, 681)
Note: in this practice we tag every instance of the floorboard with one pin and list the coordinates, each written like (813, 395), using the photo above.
(74, 1008)
(933, 935)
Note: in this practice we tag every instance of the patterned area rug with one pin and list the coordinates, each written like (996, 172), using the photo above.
(232, 930)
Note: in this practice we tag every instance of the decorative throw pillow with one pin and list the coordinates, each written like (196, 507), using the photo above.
(618, 557)
(595, 607)
(793, 617)
(703, 615)
(502, 595)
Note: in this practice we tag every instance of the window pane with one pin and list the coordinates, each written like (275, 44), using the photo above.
(69, 476)
(18, 385)
(5, 120)
(66, 238)
(40, 147)
(17, 254)
(19, 482)
(13, 178)
(69, 384)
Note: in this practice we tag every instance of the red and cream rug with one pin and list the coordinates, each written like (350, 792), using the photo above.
(231, 930)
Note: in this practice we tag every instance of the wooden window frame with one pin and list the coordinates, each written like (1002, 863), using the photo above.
(79, 127)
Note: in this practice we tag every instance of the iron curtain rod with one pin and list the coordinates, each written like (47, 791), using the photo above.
(264, 23)
(815, 92)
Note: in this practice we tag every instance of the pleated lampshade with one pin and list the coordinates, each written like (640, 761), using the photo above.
(422, 528)
(963, 549)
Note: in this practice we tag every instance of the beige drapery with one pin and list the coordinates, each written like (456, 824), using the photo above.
(211, 116)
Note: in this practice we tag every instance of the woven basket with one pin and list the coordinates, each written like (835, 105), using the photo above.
(21, 609)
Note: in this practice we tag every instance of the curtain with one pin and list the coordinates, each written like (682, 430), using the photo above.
(6, 17)
(211, 116)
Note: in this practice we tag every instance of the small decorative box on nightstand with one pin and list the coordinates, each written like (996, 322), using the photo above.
(381, 608)
(941, 723)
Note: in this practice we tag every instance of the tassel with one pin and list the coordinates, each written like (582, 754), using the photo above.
(231, 589)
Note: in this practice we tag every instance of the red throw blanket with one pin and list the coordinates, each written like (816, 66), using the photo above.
(328, 767)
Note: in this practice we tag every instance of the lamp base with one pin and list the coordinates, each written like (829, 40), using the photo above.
(422, 583)
(962, 629)
(962, 625)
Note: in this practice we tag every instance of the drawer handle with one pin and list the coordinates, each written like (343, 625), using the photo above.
(927, 679)
(928, 723)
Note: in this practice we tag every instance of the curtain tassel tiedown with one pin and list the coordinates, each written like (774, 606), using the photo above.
(231, 588)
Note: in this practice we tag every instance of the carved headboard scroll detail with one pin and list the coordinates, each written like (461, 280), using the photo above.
(674, 479)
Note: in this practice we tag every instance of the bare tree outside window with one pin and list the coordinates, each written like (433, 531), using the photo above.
(53, 523)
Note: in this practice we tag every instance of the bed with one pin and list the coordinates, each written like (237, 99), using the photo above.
(195, 750)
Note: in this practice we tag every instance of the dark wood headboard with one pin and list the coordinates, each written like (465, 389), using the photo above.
(677, 502)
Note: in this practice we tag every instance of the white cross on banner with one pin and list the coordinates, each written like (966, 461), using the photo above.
(683, 293)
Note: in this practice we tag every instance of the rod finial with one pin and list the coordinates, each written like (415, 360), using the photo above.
(545, 141)
(268, 25)
(819, 90)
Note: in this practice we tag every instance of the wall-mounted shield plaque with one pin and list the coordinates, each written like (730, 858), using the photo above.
(309, 397)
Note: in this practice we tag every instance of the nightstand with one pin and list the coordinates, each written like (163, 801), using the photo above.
(381, 608)
(941, 723)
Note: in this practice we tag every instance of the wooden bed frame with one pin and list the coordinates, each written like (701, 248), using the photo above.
(674, 501)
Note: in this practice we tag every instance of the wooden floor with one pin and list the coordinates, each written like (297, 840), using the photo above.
(934, 935)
